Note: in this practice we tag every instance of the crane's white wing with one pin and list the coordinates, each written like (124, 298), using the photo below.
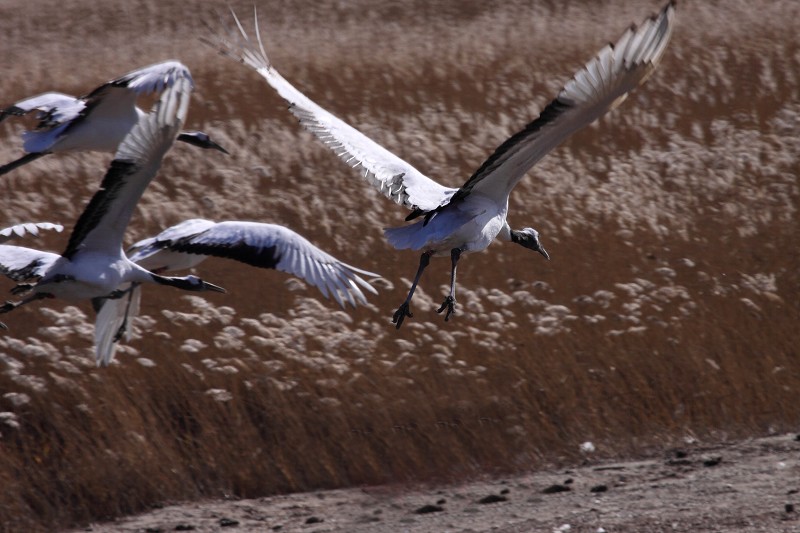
(395, 178)
(21, 264)
(191, 241)
(113, 321)
(118, 96)
(55, 113)
(154, 78)
(154, 254)
(111, 108)
(103, 222)
(273, 246)
(600, 86)
(27, 228)
(53, 109)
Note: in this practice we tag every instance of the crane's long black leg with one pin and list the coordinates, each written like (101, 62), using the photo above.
(25, 159)
(450, 302)
(10, 306)
(21, 288)
(119, 293)
(124, 326)
(403, 311)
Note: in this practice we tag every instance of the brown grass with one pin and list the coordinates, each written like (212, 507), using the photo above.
(669, 310)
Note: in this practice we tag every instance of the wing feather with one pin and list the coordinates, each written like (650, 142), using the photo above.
(397, 179)
(276, 247)
(155, 78)
(103, 222)
(22, 264)
(113, 321)
(27, 228)
(53, 109)
(601, 85)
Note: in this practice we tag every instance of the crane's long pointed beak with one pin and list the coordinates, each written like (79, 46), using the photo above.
(211, 287)
(542, 251)
(215, 146)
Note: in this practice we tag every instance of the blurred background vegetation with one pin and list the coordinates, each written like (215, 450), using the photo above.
(667, 315)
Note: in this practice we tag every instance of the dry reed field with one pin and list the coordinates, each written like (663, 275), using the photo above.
(668, 314)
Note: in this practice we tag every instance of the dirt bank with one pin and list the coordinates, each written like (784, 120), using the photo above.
(746, 486)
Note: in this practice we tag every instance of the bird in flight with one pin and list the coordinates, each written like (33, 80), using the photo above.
(450, 221)
(190, 242)
(93, 264)
(100, 120)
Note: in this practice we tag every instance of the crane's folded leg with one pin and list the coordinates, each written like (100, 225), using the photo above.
(450, 302)
(25, 159)
(403, 311)
(123, 328)
(119, 293)
(10, 306)
(22, 288)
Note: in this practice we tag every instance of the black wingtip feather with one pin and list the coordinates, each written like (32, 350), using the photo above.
(267, 257)
(12, 111)
(548, 114)
(113, 181)
(28, 272)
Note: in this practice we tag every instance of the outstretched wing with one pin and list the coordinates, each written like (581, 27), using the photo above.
(53, 109)
(262, 245)
(270, 246)
(395, 178)
(27, 228)
(22, 264)
(55, 113)
(154, 254)
(155, 78)
(103, 222)
(117, 98)
(600, 86)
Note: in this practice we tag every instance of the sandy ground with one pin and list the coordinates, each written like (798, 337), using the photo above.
(749, 486)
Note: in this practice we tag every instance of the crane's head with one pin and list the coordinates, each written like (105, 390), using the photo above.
(187, 283)
(529, 238)
(200, 139)
(197, 284)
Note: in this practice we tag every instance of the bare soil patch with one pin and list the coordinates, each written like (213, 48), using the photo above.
(752, 485)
